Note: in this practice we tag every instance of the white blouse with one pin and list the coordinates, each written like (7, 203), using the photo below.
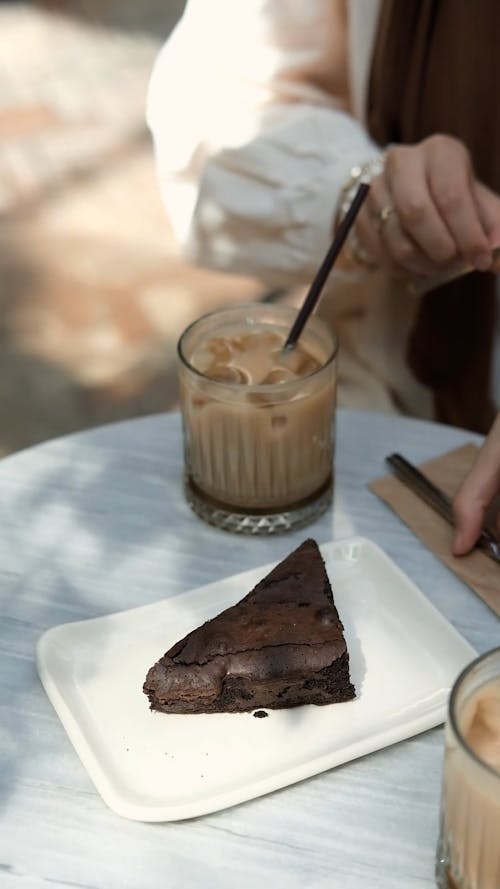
(256, 110)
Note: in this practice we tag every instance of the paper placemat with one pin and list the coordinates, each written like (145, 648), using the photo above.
(477, 570)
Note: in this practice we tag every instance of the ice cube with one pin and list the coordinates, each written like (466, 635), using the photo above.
(227, 373)
(220, 349)
(278, 375)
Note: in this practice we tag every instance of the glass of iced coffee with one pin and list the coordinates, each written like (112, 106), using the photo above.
(468, 854)
(258, 421)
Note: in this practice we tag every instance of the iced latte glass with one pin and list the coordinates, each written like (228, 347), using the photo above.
(258, 422)
(468, 854)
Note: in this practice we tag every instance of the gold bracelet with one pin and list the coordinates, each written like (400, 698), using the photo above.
(359, 173)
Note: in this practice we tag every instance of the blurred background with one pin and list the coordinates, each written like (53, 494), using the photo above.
(93, 291)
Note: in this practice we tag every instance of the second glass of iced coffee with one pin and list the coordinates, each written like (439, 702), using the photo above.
(258, 421)
(468, 854)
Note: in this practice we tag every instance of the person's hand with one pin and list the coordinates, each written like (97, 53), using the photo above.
(477, 493)
(427, 213)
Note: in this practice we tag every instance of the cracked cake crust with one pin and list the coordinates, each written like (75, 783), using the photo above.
(280, 646)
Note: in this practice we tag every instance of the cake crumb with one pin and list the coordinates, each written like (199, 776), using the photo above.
(260, 714)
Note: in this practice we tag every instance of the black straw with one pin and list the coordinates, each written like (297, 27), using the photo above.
(326, 266)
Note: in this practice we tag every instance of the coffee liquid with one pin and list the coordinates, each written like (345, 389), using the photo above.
(264, 440)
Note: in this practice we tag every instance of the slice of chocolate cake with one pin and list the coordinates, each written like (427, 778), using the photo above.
(280, 646)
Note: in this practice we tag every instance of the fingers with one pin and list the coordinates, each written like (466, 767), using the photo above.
(437, 216)
(417, 211)
(383, 236)
(488, 204)
(477, 492)
(451, 180)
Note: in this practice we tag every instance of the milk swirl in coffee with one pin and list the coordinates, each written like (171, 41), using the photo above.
(482, 727)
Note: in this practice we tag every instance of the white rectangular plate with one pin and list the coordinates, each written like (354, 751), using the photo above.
(158, 767)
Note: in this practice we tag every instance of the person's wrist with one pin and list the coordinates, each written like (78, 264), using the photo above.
(359, 173)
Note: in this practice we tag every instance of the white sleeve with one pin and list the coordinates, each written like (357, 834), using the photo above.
(251, 140)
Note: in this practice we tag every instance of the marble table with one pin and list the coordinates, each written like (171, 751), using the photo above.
(95, 523)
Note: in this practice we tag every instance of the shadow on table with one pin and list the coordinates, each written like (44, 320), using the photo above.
(87, 530)
(99, 524)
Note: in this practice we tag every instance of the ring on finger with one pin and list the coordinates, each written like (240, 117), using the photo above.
(383, 215)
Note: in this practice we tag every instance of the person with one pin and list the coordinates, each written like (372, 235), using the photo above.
(265, 116)
(478, 494)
